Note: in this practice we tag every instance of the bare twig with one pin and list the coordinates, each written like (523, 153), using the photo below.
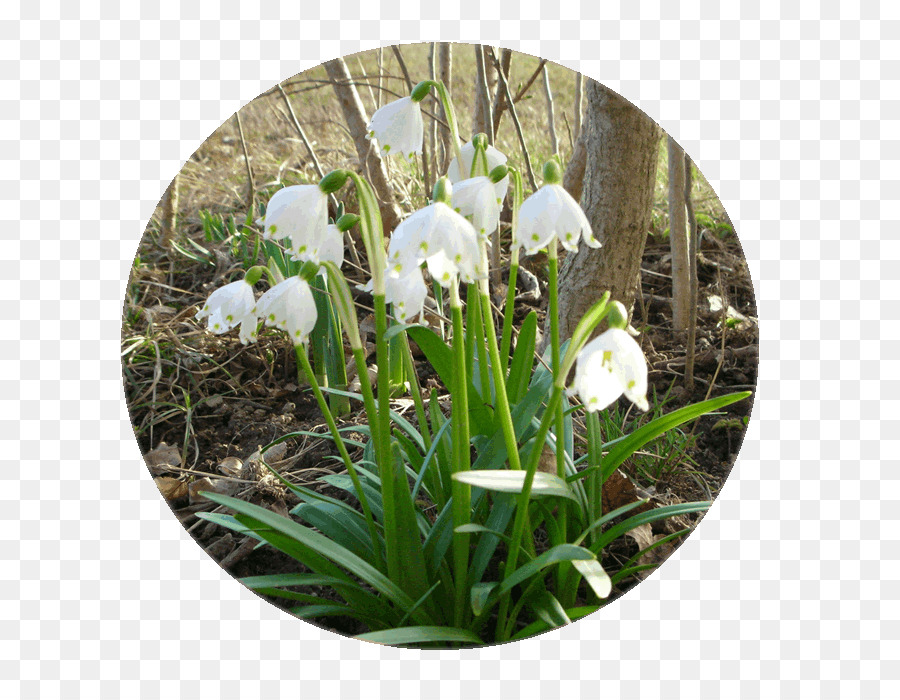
(443, 71)
(537, 71)
(251, 197)
(515, 117)
(482, 96)
(551, 119)
(301, 133)
(692, 254)
(499, 96)
(402, 63)
(169, 214)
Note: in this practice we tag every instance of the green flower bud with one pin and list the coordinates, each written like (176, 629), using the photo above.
(480, 141)
(346, 222)
(617, 316)
(253, 274)
(498, 173)
(442, 191)
(420, 91)
(333, 181)
(308, 270)
(552, 173)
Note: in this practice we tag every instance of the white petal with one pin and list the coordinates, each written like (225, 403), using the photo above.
(227, 306)
(454, 235)
(405, 251)
(398, 127)
(299, 211)
(467, 151)
(407, 294)
(475, 197)
(612, 363)
(331, 248)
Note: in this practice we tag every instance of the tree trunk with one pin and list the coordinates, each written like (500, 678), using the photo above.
(370, 163)
(622, 146)
(444, 73)
(482, 120)
(678, 240)
(573, 179)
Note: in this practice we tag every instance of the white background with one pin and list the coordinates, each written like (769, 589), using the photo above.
(789, 587)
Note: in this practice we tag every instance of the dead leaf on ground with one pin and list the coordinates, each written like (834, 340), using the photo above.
(171, 488)
(162, 459)
(207, 484)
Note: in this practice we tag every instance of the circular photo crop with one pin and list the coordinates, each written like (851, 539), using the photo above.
(439, 346)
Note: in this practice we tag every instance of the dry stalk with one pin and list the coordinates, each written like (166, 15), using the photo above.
(515, 117)
(251, 197)
(551, 119)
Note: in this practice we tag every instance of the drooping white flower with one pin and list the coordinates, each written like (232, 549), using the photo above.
(494, 158)
(301, 212)
(330, 249)
(407, 294)
(475, 197)
(398, 127)
(229, 306)
(550, 213)
(608, 366)
(440, 237)
(290, 306)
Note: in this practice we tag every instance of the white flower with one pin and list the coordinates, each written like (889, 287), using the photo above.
(608, 366)
(475, 197)
(301, 212)
(407, 294)
(229, 306)
(398, 127)
(440, 237)
(329, 249)
(551, 212)
(494, 158)
(290, 306)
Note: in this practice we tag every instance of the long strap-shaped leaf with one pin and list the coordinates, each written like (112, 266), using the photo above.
(327, 548)
(422, 635)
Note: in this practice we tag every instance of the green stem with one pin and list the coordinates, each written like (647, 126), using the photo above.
(509, 311)
(383, 445)
(416, 391)
(462, 493)
(303, 361)
(451, 119)
(594, 485)
(553, 311)
(522, 505)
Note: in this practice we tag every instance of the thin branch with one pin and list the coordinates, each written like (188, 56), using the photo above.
(579, 104)
(551, 119)
(252, 194)
(409, 83)
(482, 94)
(693, 250)
(309, 148)
(500, 97)
(515, 117)
(537, 72)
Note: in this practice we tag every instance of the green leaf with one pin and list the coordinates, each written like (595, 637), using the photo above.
(625, 447)
(523, 360)
(539, 626)
(339, 525)
(514, 481)
(441, 358)
(549, 610)
(317, 542)
(475, 527)
(596, 577)
(649, 517)
(562, 552)
(479, 594)
(421, 635)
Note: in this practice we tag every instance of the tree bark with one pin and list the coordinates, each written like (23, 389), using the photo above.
(370, 162)
(573, 178)
(444, 73)
(678, 240)
(622, 146)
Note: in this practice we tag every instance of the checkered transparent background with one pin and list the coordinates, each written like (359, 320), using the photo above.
(789, 587)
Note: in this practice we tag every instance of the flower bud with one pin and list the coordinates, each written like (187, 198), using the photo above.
(552, 173)
(308, 270)
(253, 274)
(480, 141)
(333, 181)
(617, 316)
(346, 222)
(420, 91)
(498, 173)
(442, 191)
